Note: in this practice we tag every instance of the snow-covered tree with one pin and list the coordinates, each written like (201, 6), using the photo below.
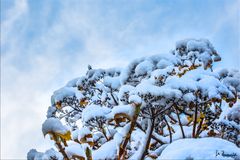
(136, 111)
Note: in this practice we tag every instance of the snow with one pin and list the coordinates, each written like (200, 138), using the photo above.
(178, 133)
(144, 67)
(94, 111)
(75, 134)
(203, 148)
(33, 154)
(156, 81)
(135, 99)
(137, 137)
(75, 149)
(193, 44)
(80, 81)
(222, 72)
(72, 83)
(230, 116)
(124, 90)
(107, 151)
(83, 132)
(80, 133)
(51, 153)
(234, 113)
(95, 74)
(127, 109)
(181, 83)
(162, 72)
(200, 50)
(158, 151)
(113, 71)
(212, 87)
(113, 82)
(143, 143)
(208, 83)
(163, 63)
(228, 123)
(53, 125)
(189, 97)
(38, 155)
(145, 87)
(162, 138)
(60, 94)
(233, 79)
(51, 110)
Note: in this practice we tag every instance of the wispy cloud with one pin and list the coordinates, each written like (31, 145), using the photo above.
(46, 43)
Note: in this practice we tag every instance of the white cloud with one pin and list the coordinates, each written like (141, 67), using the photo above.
(29, 76)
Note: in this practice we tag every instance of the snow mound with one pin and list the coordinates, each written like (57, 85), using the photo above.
(144, 67)
(124, 109)
(60, 94)
(113, 82)
(75, 149)
(83, 132)
(200, 50)
(135, 99)
(53, 125)
(94, 111)
(106, 151)
(203, 148)
(33, 154)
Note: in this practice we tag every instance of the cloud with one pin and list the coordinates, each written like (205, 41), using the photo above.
(33, 67)
(46, 43)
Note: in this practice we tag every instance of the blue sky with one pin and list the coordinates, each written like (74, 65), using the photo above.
(45, 43)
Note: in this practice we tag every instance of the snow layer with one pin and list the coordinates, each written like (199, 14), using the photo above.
(106, 151)
(200, 50)
(83, 132)
(94, 111)
(144, 67)
(127, 109)
(234, 112)
(65, 92)
(125, 89)
(203, 148)
(113, 82)
(53, 125)
(163, 63)
(33, 154)
(75, 149)
(80, 133)
(145, 87)
(135, 99)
